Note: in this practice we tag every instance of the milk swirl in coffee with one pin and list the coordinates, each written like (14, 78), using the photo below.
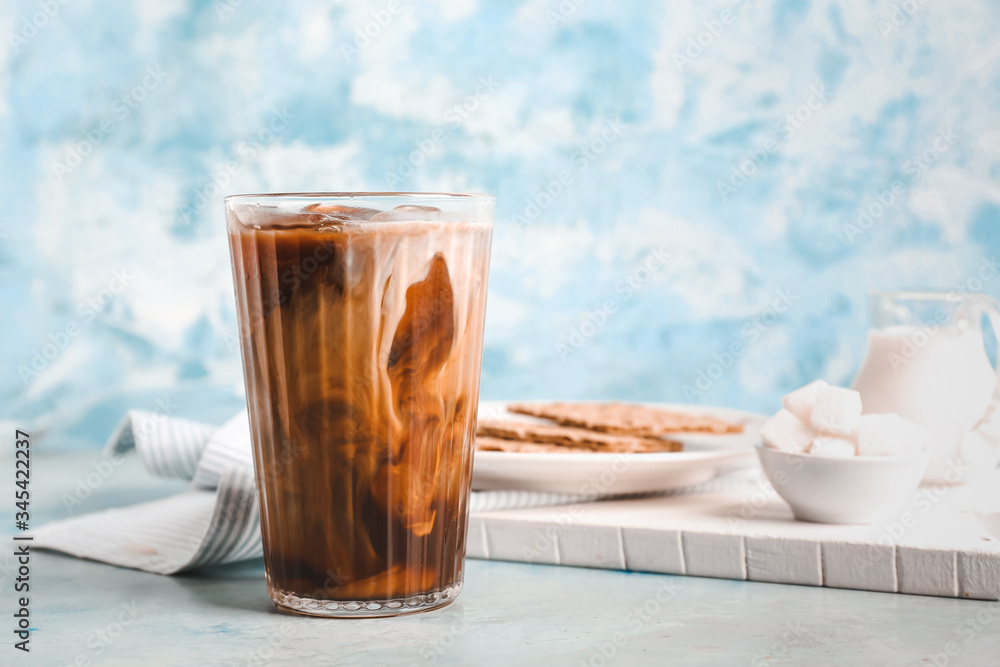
(362, 347)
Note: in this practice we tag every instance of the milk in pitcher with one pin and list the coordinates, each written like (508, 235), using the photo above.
(935, 374)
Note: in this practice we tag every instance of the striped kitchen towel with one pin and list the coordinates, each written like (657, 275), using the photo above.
(217, 520)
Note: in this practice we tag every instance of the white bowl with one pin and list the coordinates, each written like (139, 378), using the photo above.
(855, 490)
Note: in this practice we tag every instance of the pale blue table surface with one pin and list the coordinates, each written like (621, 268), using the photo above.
(508, 614)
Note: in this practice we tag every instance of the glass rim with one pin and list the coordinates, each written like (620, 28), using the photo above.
(347, 196)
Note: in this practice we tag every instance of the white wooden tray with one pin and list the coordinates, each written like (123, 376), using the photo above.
(946, 543)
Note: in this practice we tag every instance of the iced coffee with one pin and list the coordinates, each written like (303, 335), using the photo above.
(361, 332)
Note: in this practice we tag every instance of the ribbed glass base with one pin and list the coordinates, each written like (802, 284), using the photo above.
(364, 608)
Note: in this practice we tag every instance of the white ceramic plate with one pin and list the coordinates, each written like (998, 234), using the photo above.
(704, 456)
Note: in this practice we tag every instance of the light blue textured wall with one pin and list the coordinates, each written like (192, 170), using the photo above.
(669, 176)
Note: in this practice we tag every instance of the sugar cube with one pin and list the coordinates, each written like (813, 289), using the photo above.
(888, 435)
(785, 432)
(825, 445)
(801, 401)
(836, 411)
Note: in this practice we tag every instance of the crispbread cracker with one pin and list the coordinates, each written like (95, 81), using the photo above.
(488, 444)
(622, 418)
(568, 436)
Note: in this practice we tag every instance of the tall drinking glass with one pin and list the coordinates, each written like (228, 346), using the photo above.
(361, 320)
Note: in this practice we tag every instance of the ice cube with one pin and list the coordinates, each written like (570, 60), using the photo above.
(337, 214)
(786, 433)
(801, 401)
(826, 445)
(256, 216)
(888, 435)
(408, 213)
(836, 411)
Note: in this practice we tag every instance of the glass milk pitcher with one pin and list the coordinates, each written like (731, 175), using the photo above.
(927, 362)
